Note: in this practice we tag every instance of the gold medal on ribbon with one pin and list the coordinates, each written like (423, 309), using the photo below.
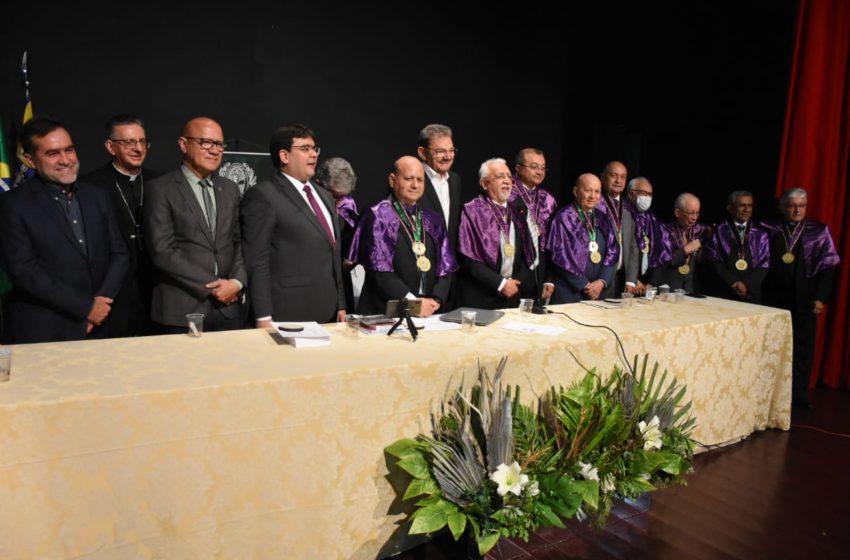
(788, 258)
(741, 264)
(418, 248)
(684, 270)
(595, 257)
(645, 249)
(423, 264)
(509, 250)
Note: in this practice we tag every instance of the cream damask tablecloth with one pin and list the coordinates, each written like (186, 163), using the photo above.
(230, 446)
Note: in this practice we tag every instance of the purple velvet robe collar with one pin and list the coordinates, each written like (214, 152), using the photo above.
(699, 231)
(818, 249)
(478, 238)
(724, 242)
(374, 241)
(346, 209)
(649, 228)
(540, 203)
(568, 240)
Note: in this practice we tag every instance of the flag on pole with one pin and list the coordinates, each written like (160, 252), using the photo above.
(24, 172)
(5, 168)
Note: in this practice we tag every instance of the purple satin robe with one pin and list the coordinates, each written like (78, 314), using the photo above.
(699, 231)
(724, 242)
(569, 238)
(540, 203)
(373, 245)
(346, 209)
(478, 237)
(818, 249)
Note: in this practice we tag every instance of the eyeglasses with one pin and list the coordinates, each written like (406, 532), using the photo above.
(535, 167)
(440, 152)
(131, 142)
(306, 149)
(206, 143)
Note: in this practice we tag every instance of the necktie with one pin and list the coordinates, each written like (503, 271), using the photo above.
(209, 208)
(314, 204)
(741, 229)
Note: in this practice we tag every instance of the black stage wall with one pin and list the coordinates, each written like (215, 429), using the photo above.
(691, 95)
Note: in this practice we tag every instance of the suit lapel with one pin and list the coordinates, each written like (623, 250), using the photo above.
(191, 201)
(290, 191)
(51, 209)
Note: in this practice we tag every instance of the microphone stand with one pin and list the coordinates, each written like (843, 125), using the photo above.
(404, 315)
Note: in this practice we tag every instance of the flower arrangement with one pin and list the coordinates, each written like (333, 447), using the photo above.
(499, 468)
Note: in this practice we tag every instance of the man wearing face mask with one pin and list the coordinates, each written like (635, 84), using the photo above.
(653, 242)
(739, 252)
(618, 210)
(494, 247)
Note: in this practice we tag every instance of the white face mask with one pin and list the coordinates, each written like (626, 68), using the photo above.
(643, 203)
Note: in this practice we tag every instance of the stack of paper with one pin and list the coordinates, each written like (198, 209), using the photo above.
(312, 334)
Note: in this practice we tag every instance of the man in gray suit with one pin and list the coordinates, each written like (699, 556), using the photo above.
(191, 219)
(619, 211)
(291, 237)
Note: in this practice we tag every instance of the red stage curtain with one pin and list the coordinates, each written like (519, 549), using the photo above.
(815, 148)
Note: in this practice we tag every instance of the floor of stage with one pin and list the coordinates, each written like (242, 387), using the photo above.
(775, 495)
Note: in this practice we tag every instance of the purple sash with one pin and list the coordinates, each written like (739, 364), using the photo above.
(725, 242)
(568, 241)
(478, 238)
(346, 209)
(818, 249)
(540, 203)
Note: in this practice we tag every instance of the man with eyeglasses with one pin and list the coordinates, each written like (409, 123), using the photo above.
(442, 185)
(536, 205)
(191, 224)
(618, 210)
(738, 252)
(291, 237)
(123, 178)
(60, 244)
(803, 262)
(653, 242)
(687, 237)
(494, 245)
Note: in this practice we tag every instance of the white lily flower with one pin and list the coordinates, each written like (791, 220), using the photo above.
(533, 488)
(651, 434)
(588, 471)
(509, 479)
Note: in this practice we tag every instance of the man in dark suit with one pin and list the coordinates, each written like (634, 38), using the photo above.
(618, 209)
(59, 244)
(442, 185)
(291, 237)
(123, 179)
(191, 223)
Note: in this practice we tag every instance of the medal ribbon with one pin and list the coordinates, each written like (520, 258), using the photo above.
(413, 233)
(742, 239)
(506, 222)
(588, 223)
(795, 236)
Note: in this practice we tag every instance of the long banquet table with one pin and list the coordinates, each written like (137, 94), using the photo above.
(230, 446)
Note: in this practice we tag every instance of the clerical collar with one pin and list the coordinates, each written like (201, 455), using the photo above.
(131, 176)
(433, 175)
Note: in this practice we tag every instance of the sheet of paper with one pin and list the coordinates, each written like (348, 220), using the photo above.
(311, 329)
(532, 328)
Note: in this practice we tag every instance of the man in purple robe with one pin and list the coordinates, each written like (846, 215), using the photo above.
(494, 245)
(738, 252)
(687, 237)
(617, 208)
(537, 205)
(404, 248)
(582, 246)
(653, 242)
(802, 271)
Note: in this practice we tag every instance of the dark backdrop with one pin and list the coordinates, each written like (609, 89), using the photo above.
(691, 96)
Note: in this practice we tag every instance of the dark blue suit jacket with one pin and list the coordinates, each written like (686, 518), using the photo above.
(54, 281)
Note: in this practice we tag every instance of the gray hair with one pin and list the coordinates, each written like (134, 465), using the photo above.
(634, 182)
(336, 174)
(795, 192)
(520, 157)
(484, 170)
(680, 200)
(733, 196)
(431, 131)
